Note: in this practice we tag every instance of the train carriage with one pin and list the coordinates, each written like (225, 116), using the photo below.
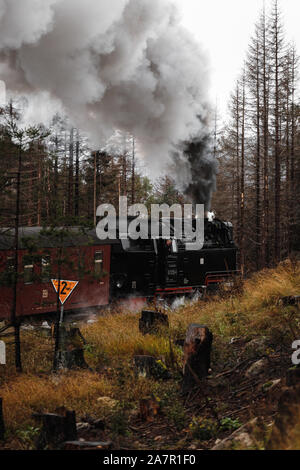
(41, 256)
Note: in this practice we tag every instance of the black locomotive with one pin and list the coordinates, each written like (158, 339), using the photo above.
(160, 267)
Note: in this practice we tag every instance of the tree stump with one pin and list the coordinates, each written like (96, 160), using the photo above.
(144, 366)
(71, 353)
(197, 350)
(149, 367)
(286, 419)
(76, 335)
(149, 408)
(2, 426)
(73, 359)
(150, 322)
(56, 429)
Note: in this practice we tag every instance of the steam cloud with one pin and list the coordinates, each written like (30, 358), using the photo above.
(121, 64)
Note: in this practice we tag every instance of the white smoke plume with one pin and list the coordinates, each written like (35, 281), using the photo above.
(110, 64)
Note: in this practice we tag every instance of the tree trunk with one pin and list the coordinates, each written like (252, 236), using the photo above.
(55, 181)
(77, 176)
(71, 175)
(242, 194)
(133, 173)
(266, 246)
(257, 164)
(291, 207)
(14, 320)
(238, 181)
(57, 321)
(277, 231)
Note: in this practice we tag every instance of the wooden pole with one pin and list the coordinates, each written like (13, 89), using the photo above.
(14, 321)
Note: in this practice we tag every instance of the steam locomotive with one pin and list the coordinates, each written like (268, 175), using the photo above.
(110, 270)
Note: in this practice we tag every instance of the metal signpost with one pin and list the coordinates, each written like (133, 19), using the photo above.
(65, 290)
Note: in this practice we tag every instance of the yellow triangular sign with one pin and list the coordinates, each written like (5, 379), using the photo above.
(65, 288)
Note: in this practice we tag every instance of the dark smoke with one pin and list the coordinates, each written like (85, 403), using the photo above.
(121, 64)
(195, 167)
(202, 172)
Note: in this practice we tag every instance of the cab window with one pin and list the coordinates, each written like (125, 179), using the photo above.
(45, 269)
(28, 270)
(139, 245)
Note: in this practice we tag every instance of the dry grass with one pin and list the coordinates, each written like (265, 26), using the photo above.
(114, 339)
(117, 338)
(255, 311)
(27, 394)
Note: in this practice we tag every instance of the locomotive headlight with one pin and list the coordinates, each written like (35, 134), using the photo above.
(119, 281)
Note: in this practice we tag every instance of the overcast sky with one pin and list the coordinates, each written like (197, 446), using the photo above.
(224, 28)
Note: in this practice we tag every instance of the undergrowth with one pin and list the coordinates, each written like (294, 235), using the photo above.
(251, 312)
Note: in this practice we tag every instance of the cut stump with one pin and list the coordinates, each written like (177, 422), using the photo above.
(286, 419)
(150, 367)
(73, 359)
(144, 366)
(71, 353)
(149, 408)
(197, 350)
(150, 322)
(56, 429)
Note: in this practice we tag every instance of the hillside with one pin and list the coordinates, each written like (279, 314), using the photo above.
(245, 393)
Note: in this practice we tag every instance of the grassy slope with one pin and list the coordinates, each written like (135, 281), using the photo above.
(253, 311)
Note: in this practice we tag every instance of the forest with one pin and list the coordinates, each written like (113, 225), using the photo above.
(54, 176)
(258, 149)
(200, 369)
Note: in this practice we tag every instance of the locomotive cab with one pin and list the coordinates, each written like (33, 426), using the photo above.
(214, 263)
(168, 266)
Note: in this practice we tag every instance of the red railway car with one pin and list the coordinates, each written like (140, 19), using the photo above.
(77, 255)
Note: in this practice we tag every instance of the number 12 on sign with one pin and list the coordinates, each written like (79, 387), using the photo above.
(64, 290)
